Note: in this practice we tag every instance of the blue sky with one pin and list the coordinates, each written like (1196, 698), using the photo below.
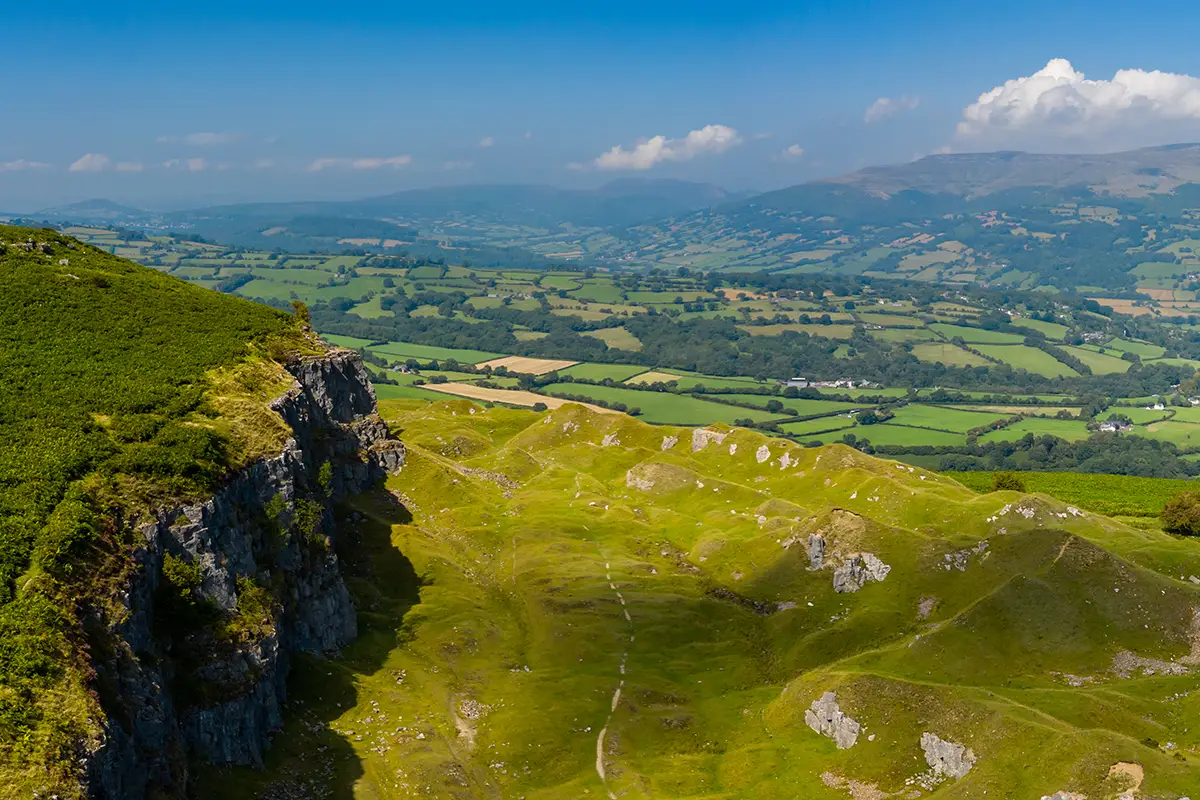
(182, 104)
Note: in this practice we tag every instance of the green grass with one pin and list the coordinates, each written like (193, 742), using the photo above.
(663, 407)
(975, 335)
(598, 372)
(942, 418)
(1052, 330)
(423, 352)
(690, 380)
(616, 337)
(893, 435)
(803, 407)
(1027, 358)
(502, 600)
(1071, 430)
(948, 354)
(1111, 495)
(122, 387)
(1143, 349)
(1099, 363)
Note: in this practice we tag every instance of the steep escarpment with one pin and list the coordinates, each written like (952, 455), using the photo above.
(193, 659)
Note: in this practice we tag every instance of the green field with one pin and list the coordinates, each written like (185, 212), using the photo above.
(888, 434)
(663, 407)
(1027, 358)
(942, 418)
(617, 337)
(1071, 430)
(598, 372)
(948, 354)
(1112, 495)
(399, 351)
(1052, 330)
(975, 335)
(1099, 363)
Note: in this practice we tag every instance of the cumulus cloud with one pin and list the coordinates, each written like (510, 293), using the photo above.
(793, 151)
(1134, 107)
(201, 139)
(91, 162)
(885, 107)
(22, 165)
(487, 141)
(371, 163)
(709, 140)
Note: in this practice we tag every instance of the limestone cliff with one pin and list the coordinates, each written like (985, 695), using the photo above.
(176, 690)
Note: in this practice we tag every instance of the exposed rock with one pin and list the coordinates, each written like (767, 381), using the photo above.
(785, 461)
(240, 686)
(816, 551)
(1126, 663)
(946, 758)
(824, 717)
(634, 481)
(702, 437)
(1065, 796)
(856, 570)
(610, 440)
(925, 607)
(732, 449)
(762, 454)
(669, 441)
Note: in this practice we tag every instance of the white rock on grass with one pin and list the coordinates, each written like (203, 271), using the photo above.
(702, 437)
(946, 758)
(824, 717)
(856, 570)
(669, 442)
(762, 454)
(610, 440)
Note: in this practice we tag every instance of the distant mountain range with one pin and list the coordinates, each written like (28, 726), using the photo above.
(1133, 173)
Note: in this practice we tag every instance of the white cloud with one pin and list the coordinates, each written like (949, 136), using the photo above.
(710, 139)
(487, 141)
(22, 165)
(91, 162)
(201, 139)
(129, 166)
(793, 151)
(1059, 101)
(885, 107)
(264, 163)
(189, 164)
(371, 163)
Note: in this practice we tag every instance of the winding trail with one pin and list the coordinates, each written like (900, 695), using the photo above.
(616, 698)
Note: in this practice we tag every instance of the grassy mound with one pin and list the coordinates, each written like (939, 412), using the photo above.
(572, 604)
(121, 387)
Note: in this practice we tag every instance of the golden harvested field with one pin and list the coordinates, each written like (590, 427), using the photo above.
(1122, 306)
(732, 294)
(513, 397)
(529, 366)
(1158, 294)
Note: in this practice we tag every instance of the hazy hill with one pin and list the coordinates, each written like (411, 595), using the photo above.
(97, 211)
(618, 203)
(1133, 173)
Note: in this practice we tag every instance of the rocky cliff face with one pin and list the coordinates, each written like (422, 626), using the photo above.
(176, 687)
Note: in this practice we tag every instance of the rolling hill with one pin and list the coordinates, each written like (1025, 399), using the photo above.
(591, 606)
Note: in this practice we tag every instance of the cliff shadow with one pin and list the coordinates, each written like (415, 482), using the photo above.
(312, 756)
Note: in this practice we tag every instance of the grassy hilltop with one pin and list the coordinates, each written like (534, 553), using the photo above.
(574, 604)
(121, 387)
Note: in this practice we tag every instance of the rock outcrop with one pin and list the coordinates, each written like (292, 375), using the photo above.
(824, 717)
(949, 759)
(171, 695)
(854, 572)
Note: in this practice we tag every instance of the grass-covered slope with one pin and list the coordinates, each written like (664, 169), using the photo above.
(119, 386)
(572, 604)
